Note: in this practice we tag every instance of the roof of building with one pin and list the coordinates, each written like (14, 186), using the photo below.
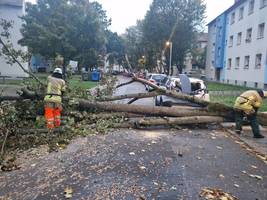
(236, 4)
(17, 3)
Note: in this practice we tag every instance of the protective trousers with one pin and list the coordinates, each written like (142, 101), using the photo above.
(239, 115)
(52, 115)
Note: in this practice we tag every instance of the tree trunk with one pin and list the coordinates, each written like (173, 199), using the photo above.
(144, 110)
(129, 96)
(181, 120)
(170, 121)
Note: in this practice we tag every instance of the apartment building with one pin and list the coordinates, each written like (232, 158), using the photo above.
(244, 47)
(11, 10)
(200, 47)
(216, 48)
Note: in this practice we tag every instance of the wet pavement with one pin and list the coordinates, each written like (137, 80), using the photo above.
(141, 164)
(164, 164)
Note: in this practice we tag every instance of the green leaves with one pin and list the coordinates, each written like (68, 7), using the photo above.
(73, 29)
(175, 20)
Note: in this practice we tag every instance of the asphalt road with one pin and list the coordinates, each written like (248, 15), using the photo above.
(165, 164)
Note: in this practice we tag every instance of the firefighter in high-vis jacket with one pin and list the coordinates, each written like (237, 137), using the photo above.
(53, 99)
(246, 107)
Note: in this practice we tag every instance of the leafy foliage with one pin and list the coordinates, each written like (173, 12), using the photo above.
(167, 20)
(133, 43)
(172, 20)
(115, 48)
(73, 29)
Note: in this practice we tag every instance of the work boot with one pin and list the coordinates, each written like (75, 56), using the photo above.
(259, 136)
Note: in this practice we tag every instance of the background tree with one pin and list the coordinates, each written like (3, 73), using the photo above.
(74, 29)
(133, 43)
(115, 48)
(174, 20)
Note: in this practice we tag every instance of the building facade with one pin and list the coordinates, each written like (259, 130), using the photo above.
(11, 10)
(244, 45)
(191, 63)
(216, 48)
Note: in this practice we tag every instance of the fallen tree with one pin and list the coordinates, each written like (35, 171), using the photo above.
(140, 109)
(179, 120)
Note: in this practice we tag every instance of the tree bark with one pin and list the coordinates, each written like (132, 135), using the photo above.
(181, 120)
(170, 121)
(129, 96)
(123, 84)
(144, 110)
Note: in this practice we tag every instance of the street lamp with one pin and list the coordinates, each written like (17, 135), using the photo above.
(169, 44)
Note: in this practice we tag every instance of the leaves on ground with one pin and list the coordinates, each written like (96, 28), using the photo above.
(68, 192)
(215, 194)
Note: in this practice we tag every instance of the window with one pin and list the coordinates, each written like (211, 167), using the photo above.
(261, 31)
(231, 41)
(239, 38)
(258, 61)
(241, 13)
(245, 83)
(229, 63)
(249, 35)
(246, 64)
(237, 62)
(263, 3)
(251, 7)
(219, 51)
(233, 18)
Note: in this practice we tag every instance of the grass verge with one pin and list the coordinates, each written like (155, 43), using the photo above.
(230, 100)
(212, 86)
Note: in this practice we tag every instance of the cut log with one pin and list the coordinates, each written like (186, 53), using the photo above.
(182, 120)
(129, 96)
(170, 121)
(144, 110)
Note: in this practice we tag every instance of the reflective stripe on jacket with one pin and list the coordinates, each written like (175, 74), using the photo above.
(55, 87)
(248, 101)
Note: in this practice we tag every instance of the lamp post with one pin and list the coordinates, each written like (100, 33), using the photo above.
(169, 44)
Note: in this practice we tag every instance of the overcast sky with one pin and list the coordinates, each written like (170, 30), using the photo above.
(124, 13)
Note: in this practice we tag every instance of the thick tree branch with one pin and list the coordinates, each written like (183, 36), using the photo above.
(123, 84)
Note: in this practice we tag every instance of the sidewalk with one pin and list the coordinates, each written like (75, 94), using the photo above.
(259, 145)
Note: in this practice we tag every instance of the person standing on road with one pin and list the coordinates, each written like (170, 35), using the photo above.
(246, 107)
(53, 99)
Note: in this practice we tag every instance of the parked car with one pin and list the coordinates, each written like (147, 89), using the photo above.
(156, 79)
(192, 86)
